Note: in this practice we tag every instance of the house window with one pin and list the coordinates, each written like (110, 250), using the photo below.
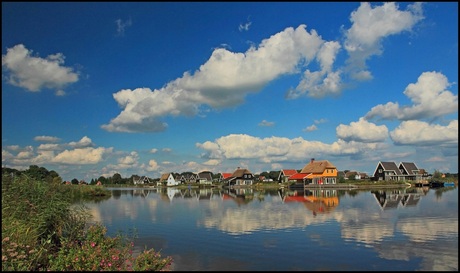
(380, 170)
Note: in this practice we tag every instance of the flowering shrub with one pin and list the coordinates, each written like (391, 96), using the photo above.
(150, 260)
(15, 256)
(97, 252)
(42, 232)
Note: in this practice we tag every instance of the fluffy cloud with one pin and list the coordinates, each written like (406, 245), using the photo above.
(310, 128)
(81, 156)
(48, 147)
(223, 81)
(153, 166)
(128, 161)
(429, 96)
(83, 143)
(362, 131)
(35, 73)
(415, 132)
(226, 78)
(277, 149)
(321, 83)
(370, 26)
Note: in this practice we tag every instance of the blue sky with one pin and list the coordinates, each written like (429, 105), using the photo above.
(94, 89)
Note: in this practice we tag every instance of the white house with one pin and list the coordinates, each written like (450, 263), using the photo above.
(169, 178)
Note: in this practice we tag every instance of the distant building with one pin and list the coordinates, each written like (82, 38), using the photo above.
(316, 172)
(168, 179)
(240, 177)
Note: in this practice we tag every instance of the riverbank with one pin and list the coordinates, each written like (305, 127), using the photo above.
(274, 185)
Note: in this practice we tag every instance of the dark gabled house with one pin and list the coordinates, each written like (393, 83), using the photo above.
(390, 171)
(179, 178)
(387, 171)
(188, 178)
(205, 177)
(410, 170)
(240, 177)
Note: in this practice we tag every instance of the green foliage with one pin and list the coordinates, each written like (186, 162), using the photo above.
(42, 231)
(437, 174)
(149, 260)
(97, 252)
(116, 178)
(35, 216)
(274, 175)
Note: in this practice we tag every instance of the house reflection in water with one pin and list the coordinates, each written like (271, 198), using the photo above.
(168, 193)
(317, 201)
(242, 196)
(391, 199)
(204, 194)
(141, 193)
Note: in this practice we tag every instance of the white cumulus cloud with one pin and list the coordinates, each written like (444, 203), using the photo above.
(429, 97)
(81, 156)
(35, 73)
(362, 131)
(370, 25)
(414, 132)
(223, 81)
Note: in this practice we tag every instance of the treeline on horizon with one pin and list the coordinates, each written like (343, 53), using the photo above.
(42, 174)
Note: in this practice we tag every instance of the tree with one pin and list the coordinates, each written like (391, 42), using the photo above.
(274, 175)
(437, 174)
(103, 180)
(266, 174)
(116, 178)
(57, 180)
(74, 181)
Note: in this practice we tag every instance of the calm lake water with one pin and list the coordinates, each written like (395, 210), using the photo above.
(209, 229)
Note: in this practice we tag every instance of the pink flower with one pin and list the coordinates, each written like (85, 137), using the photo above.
(93, 244)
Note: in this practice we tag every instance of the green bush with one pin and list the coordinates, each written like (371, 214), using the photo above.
(42, 230)
(97, 252)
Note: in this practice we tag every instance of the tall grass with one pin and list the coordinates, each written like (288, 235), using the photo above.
(41, 230)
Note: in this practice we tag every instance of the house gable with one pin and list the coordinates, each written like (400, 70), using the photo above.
(390, 171)
(240, 177)
(320, 167)
(408, 168)
(320, 172)
(285, 174)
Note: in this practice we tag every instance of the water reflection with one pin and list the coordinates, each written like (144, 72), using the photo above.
(405, 229)
(317, 201)
(391, 199)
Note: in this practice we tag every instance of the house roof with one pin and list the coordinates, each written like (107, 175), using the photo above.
(226, 175)
(317, 166)
(390, 166)
(164, 176)
(205, 175)
(410, 167)
(298, 176)
(240, 172)
(289, 172)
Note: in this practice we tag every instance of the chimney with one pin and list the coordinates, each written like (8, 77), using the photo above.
(311, 161)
